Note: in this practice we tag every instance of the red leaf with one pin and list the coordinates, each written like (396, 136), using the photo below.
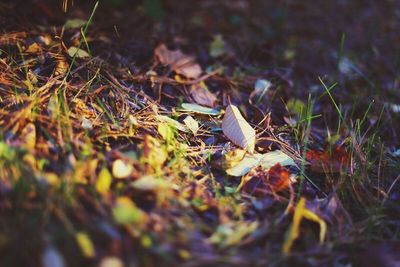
(326, 161)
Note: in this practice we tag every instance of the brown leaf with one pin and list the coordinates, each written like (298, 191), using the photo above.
(179, 62)
(202, 95)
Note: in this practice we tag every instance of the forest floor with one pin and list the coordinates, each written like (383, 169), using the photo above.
(200, 133)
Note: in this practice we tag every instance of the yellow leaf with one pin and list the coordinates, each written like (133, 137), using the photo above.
(103, 182)
(238, 130)
(121, 170)
(51, 178)
(126, 212)
(155, 154)
(301, 212)
(29, 137)
(85, 244)
(165, 131)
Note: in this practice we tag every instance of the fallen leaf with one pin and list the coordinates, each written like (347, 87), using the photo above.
(121, 170)
(179, 62)
(217, 46)
(86, 124)
(278, 178)
(327, 161)
(192, 124)
(231, 234)
(154, 153)
(301, 212)
(238, 130)
(200, 109)
(266, 160)
(245, 165)
(111, 262)
(74, 23)
(126, 212)
(262, 183)
(164, 129)
(62, 65)
(276, 157)
(172, 122)
(150, 183)
(50, 178)
(103, 181)
(85, 244)
(34, 48)
(77, 52)
(202, 95)
(28, 135)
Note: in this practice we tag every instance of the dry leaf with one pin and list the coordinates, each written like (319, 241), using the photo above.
(245, 165)
(126, 212)
(202, 95)
(111, 262)
(121, 170)
(192, 124)
(196, 108)
(301, 212)
(28, 135)
(104, 181)
(85, 244)
(178, 62)
(238, 130)
(77, 52)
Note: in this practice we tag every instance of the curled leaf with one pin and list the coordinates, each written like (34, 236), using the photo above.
(238, 130)
(301, 212)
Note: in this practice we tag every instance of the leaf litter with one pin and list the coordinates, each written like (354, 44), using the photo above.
(165, 156)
